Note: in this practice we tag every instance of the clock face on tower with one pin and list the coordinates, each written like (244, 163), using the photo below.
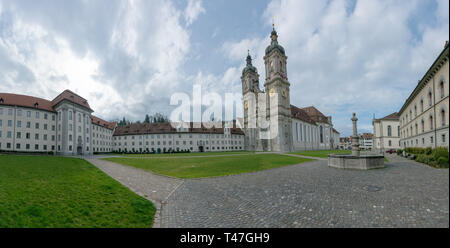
(271, 92)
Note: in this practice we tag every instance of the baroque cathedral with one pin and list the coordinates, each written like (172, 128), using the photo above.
(271, 123)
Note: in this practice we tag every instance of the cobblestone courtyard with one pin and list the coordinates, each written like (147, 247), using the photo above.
(404, 194)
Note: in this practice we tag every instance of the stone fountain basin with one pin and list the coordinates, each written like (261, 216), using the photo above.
(363, 162)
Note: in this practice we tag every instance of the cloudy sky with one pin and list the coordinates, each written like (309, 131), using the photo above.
(128, 57)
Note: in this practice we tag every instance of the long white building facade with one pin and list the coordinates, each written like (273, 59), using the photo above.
(424, 118)
(65, 125)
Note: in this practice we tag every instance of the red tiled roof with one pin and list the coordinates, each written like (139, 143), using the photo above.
(301, 114)
(315, 114)
(72, 97)
(367, 136)
(103, 123)
(393, 116)
(156, 128)
(25, 101)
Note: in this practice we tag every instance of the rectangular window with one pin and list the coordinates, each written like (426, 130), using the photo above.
(18, 135)
(9, 134)
(37, 115)
(19, 112)
(9, 111)
(9, 123)
(28, 124)
(1, 123)
(45, 126)
(19, 123)
(36, 147)
(36, 136)
(443, 138)
(45, 116)
(28, 114)
(36, 125)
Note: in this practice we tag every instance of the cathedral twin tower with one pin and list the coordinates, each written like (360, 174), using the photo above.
(267, 114)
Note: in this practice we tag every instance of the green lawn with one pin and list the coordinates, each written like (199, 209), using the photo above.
(209, 166)
(191, 154)
(47, 191)
(321, 153)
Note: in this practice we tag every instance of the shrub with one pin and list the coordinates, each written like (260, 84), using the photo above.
(399, 152)
(426, 159)
(442, 162)
(428, 151)
(440, 152)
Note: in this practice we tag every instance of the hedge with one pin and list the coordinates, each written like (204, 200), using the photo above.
(437, 157)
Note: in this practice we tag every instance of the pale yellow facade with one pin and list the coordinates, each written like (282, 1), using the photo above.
(424, 118)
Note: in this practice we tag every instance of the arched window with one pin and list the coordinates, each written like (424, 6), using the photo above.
(398, 131)
(415, 110)
(390, 143)
(441, 88)
(421, 105)
(321, 134)
(431, 122)
(430, 98)
(417, 129)
(423, 126)
(389, 129)
(443, 117)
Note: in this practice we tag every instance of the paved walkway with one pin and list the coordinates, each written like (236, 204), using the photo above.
(404, 194)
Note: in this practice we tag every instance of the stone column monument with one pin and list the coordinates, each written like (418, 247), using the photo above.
(355, 138)
(355, 161)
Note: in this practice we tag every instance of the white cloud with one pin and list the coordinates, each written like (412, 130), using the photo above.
(193, 9)
(126, 64)
(364, 61)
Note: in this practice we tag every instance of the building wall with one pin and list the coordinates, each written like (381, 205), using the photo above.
(26, 129)
(382, 140)
(306, 136)
(74, 126)
(102, 139)
(426, 126)
(178, 142)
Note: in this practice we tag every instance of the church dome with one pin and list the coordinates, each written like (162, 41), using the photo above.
(249, 67)
(274, 44)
